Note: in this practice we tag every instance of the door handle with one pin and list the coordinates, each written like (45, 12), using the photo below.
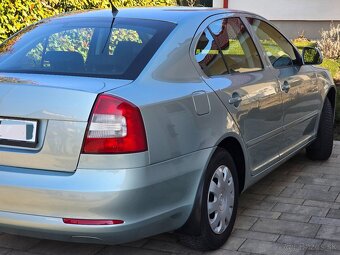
(285, 86)
(235, 99)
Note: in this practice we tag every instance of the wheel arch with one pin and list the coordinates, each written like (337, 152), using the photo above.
(234, 147)
(331, 95)
(232, 143)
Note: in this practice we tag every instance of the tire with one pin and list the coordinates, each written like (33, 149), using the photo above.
(222, 171)
(322, 147)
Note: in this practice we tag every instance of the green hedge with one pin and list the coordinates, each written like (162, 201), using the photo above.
(17, 14)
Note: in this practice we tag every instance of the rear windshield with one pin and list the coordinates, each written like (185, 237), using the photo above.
(113, 48)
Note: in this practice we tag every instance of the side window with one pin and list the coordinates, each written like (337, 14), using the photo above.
(209, 56)
(278, 49)
(231, 45)
(238, 49)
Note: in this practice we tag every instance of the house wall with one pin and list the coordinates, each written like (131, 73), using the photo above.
(293, 17)
(218, 3)
(310, 29)
(324, 10)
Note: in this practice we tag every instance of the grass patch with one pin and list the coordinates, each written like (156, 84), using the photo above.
(332, 65)
(300, 44)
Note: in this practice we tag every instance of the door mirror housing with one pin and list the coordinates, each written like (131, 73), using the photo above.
(312, 56)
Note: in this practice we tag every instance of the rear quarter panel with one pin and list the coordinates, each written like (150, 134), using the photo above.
(164, 94)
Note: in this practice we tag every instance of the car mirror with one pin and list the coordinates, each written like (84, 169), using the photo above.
(312, 56)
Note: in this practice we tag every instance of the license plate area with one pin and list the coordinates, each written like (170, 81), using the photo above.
(18, 132)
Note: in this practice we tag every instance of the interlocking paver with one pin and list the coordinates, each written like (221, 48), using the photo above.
(257, 204)
(333, 213)
(256, 235)
(261, 214)
(335, 189)
(286, 227)
(224, 252)
(306, 173)
(17, 242)
(266, 190)
(331, 177)
(330, 245)
(270, 248)
(169, 247)
(322, 204)
(318, 181)
(304, 243)
(295, 217)
(245, 222)
(317, 187)
(322, 252)
(56, 248)
(294, 210)
(325, 221)
(300, 209)
(4, 251)
(16, 252)
(287, 200)
(120, 250)
(315, 195)
(329, 232)
(233, 243)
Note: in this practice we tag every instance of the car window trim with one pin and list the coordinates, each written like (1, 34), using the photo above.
(219, 48)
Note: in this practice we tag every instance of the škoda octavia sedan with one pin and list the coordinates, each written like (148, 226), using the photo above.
(115, 126)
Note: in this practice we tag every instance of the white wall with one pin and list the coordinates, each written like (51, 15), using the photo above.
(218, 3)
(290, 9)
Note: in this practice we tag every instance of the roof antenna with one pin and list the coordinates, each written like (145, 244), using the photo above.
(113, 7)
(114, 11)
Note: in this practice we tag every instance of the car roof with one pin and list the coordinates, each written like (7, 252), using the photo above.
(169, 14)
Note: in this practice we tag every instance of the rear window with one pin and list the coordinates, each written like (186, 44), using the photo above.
(118, 49)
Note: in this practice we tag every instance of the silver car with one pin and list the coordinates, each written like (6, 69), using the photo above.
(119, 125)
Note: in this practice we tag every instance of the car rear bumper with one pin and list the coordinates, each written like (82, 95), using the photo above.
(54, 228)
(150, 200)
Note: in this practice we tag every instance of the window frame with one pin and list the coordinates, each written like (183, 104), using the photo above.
(206, 26)
(259, 44)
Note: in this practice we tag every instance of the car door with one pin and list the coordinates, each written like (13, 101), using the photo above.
(233, 68)
(298, 85)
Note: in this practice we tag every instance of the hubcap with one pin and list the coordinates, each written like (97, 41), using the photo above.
(220, 199)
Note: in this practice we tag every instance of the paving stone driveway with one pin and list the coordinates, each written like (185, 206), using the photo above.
(295, 210)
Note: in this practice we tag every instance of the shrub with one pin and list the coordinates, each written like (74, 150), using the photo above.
(17, 14)
(330, 42)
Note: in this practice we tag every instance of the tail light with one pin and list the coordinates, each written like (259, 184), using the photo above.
(116, 126)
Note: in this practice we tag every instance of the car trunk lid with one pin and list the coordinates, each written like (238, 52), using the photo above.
(53, 111)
